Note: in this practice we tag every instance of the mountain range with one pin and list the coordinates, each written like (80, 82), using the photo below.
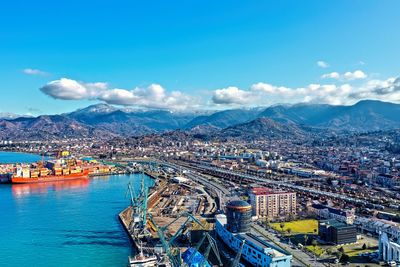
(105, 121)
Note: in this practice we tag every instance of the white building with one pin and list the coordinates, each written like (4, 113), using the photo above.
(326, 212)
(388, 249)
(180, 179)
(376, 226)
(269, 203)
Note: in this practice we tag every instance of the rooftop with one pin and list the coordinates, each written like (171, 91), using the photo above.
(238, 204)
(262, 245)
(335, 223)
(266, 191)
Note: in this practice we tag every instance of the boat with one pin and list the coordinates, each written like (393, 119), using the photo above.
(84, 174)
(142, 260)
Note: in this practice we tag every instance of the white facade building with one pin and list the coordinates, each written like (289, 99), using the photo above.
(388, 249)
(376, 226)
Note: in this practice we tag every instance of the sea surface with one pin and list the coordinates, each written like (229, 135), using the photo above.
(15, 157)
(71, 223)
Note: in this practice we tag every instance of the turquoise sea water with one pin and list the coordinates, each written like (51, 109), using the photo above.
(13, 157)
(72, 223)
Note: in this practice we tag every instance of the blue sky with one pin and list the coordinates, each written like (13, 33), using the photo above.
(195, 54)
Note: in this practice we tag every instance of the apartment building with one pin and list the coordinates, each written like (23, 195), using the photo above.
(269, 203)
(326, 212)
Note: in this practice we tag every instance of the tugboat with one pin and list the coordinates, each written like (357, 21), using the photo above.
(142, 260)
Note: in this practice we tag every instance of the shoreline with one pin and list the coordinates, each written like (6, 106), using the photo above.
(125, 215)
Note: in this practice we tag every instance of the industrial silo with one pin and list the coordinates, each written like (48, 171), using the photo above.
(238, 214)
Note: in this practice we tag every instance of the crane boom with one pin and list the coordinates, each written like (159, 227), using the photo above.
(236, 261)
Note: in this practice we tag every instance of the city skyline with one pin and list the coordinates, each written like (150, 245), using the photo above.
(180, 57)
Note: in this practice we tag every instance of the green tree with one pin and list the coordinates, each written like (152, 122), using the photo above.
(341, 250)
(267, 222)
(305, 240)
(289, 231)
(282, 225)
(314, 243)
(339, 255)
(364, 246)
(344, 257)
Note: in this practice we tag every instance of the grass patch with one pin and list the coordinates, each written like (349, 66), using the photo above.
(298, 227)
(317, 250)
(353, 251)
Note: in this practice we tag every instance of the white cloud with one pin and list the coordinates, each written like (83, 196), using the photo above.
(322, 64)
(343, 94)
(356, 75)
(68, 89)
(349, 76)
(385, 90)
(231, 95)
(332, 75)
(153, 96)
(35, 72)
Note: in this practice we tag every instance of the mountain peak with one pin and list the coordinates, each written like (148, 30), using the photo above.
(98, 108)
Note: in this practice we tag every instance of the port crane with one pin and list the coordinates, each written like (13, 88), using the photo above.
(169, 246)
(139, 209)
(211, 245)
(236, 261)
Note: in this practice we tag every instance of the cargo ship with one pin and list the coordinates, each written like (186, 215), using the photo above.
(61, 169)
(50, 178)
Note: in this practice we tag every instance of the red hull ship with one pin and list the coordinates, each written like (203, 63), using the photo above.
(50, 178)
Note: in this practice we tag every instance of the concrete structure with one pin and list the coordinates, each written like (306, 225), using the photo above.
(180, 179)
(326, 212)
(376, 226)
(388, 250)
(256, 250)
(268, 203)
(336, 232)
(239, 216)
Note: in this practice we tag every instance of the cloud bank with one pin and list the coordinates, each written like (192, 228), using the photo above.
(335, 94)
(153, 96)
(343, 89)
